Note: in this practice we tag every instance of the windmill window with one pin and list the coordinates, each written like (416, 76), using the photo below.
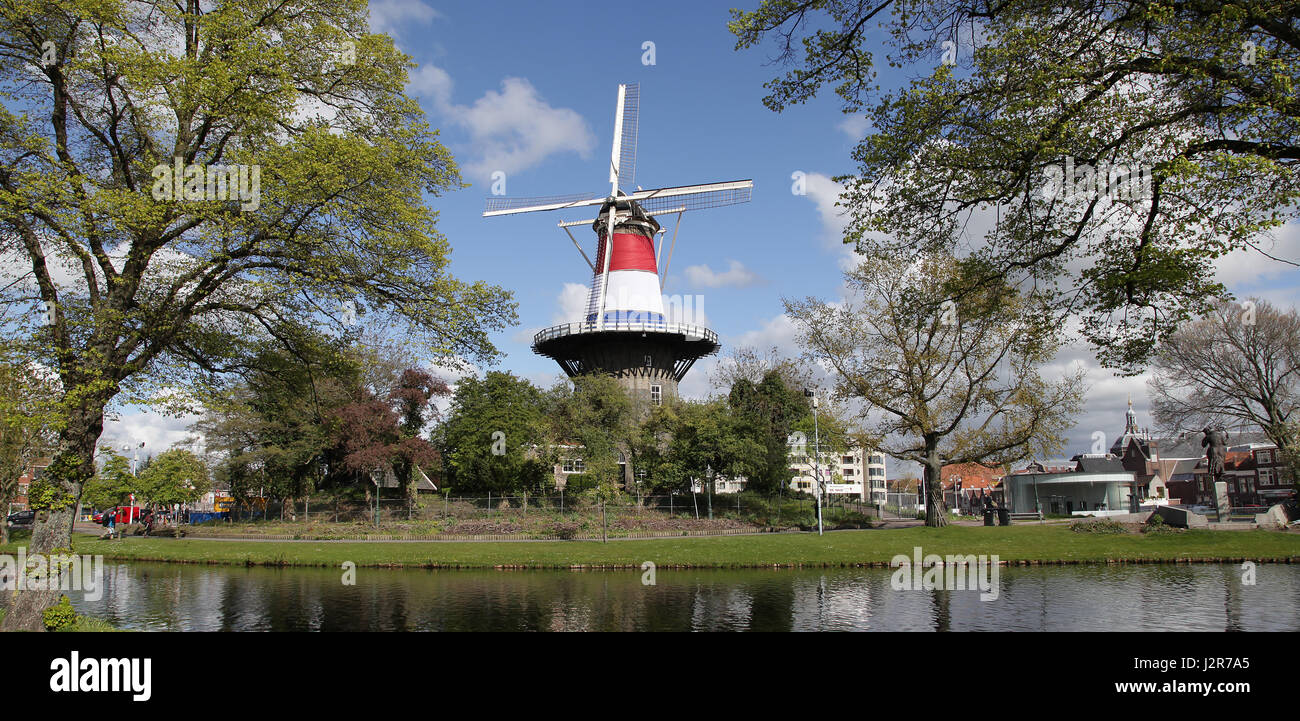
(656, 394)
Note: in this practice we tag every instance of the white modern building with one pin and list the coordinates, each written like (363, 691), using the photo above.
(858, 472)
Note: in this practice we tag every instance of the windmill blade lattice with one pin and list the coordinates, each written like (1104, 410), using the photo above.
(502, 205)
(694, 197)
(627, 141)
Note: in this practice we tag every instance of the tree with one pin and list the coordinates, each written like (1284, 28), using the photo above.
(113, 484)
(28, 424)
(1138, 140)
(1237, 365)
(708, 441)
(175, 476)
(648, 448)
(942, 382)
(380, 433)
(270, 427)
(205, 169)
(747, 363)
(595, 413)
(492, 436)
(767, 413)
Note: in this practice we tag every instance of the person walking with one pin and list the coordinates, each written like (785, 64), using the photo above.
(110, 522)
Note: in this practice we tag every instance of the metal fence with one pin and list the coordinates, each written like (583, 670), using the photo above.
(774, 510)
(902, 505)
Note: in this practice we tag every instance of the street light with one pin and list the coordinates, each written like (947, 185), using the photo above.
(135, 460)
(817, 448)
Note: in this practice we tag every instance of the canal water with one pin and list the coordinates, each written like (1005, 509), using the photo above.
(1051, 598)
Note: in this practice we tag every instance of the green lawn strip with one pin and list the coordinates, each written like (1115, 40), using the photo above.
(1045, 544)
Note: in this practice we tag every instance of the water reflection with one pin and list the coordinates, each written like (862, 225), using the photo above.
(1071, 598)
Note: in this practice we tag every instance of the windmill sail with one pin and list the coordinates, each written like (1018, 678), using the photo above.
(627, 138)
(658, 200)
(504, 206)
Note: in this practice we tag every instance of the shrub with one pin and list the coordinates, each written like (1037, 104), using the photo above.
(59, 616)
(1156, 525)
(578, 483)
(1099, 526)
(565, 529)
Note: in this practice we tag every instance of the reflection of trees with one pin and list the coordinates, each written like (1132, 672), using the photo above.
(773, 597)
(194, 598)
(941, 602)
(1231, 600)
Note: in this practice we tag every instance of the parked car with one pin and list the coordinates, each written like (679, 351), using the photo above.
(21, 519)
(123, 514)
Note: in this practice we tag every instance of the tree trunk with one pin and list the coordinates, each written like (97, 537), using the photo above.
(934, 511)
(72, 466)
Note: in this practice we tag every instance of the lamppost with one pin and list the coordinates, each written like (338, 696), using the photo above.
(817, 449)
(135, 456)
(135, 460)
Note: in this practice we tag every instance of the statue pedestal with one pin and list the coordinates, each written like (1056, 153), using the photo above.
(1221, 500)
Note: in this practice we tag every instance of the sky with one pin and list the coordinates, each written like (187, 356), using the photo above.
(529, 90)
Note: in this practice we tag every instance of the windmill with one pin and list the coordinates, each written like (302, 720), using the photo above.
(624, 331)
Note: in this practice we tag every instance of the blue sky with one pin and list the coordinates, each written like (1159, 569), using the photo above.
(529, 89)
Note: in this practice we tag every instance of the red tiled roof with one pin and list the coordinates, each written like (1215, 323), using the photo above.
(1239, 460)
(973, 475)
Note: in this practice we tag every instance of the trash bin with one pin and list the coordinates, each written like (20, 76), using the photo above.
(1004, 517)
(988, 517)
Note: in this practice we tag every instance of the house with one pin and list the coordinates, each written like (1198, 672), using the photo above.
(1255, 473)
(422, 482)
(965, 485)
(35, 470)
(1273, 481)
(1253, 469)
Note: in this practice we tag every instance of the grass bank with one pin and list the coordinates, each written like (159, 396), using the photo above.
(1016, 544)
(83, 624)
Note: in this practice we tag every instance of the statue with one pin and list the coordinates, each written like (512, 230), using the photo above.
(1216, 445)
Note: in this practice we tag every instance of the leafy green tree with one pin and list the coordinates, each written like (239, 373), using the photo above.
(708, 442)
(767, 413)
(1184, 112)
(942, 382)
(595, 413)
(28, 423)
(175, 476)
(273, 427)
(493, 436)
(204, 169)
(647, 449)
(113, 484)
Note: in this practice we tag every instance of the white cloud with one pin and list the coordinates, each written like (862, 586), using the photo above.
(855, 126)
(571, 307)
(158, 432)
(511, 130)
(1248, 266)
(432, 82)
(392, 16)
(736, 276)
(573, 303)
